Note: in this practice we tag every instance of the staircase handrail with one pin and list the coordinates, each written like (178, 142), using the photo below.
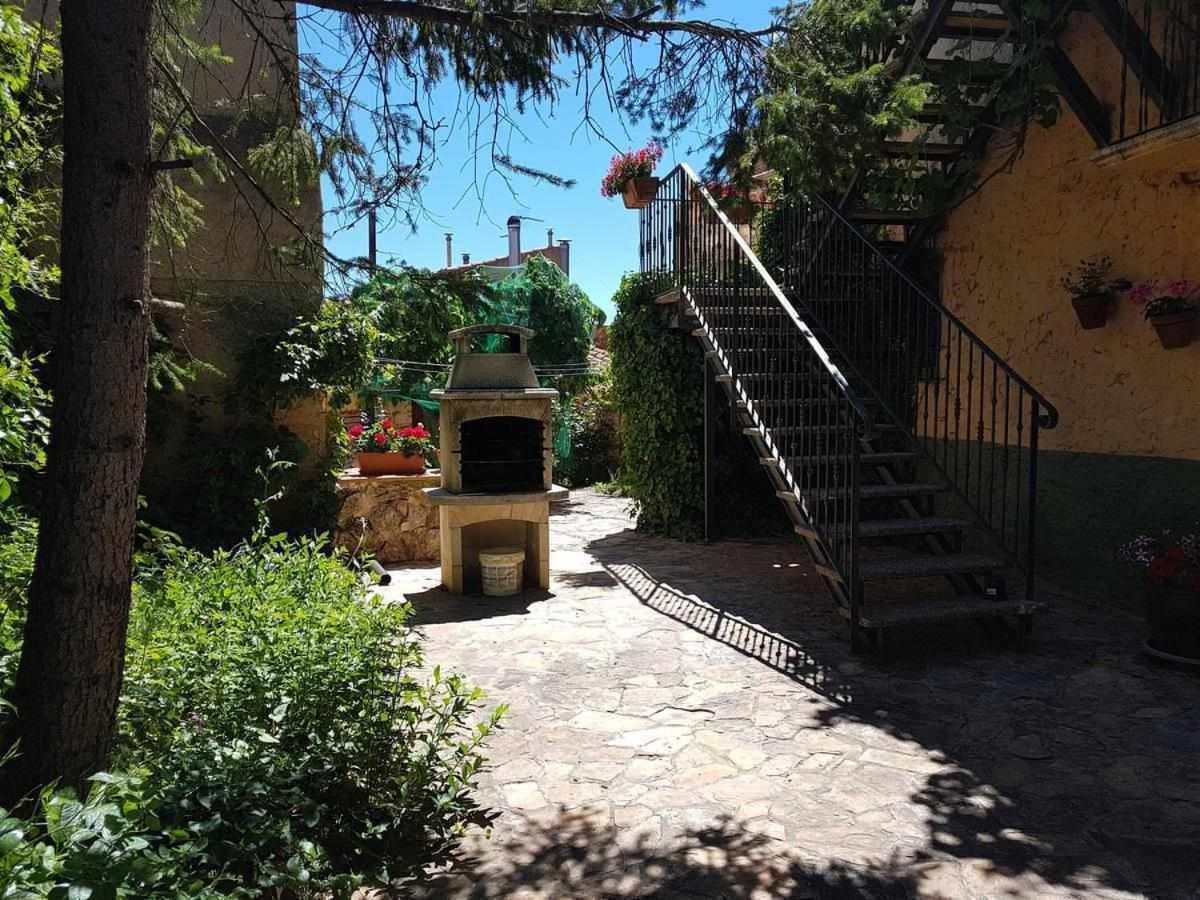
(865, 416)
(1047, 421)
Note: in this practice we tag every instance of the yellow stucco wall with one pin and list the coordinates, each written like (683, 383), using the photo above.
(1006, 249)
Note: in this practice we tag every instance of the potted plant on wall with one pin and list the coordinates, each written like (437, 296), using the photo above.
(1169, 563)
(632, 176)
(1091, 290)
(734, 201)
(1170, 309)
(384, 449)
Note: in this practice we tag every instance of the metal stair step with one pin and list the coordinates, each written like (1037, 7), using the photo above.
(927, 611)
(926, 150)
(922, 566)
(893, 491)
(903, 527)
(982, 26)
(797, 463)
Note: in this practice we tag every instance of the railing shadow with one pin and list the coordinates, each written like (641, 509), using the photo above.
(1067, 768)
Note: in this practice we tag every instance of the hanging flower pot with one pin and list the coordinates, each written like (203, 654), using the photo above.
(1171, 310)
(632, 176)
(391, 464)
(1174, 329)
(639, 192)
(1091, 289)
(1092, 310)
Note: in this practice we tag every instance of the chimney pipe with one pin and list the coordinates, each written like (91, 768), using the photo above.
(564, 255)
(514, 240)
(449, 250)
(549, 237)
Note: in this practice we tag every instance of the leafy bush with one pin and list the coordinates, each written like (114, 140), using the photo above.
(275, 736)
(592, 421)
(659, 388)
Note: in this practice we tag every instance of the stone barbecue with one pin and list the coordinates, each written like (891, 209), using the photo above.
(497, 461)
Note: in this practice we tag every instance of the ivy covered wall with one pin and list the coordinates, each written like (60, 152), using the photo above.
(658, 380)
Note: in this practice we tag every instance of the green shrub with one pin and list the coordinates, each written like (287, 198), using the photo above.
(276, 735)
(592, 421)
(659, 388)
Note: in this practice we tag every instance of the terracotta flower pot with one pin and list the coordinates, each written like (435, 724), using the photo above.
(390, 464)
(639, 192)
(1092, 310)
(1174, 329)
(1173, 611)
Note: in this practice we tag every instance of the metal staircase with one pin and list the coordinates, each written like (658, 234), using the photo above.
(902, 447)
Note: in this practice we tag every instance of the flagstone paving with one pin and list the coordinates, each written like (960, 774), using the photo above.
(686, 721)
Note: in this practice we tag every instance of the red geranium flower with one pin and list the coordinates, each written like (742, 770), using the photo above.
(381, 439)
(1164, 567)
(416, 431)
(387, 424)
(355, 431)
(1175, 553)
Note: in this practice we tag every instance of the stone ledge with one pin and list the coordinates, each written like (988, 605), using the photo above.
(441, 497)
(352, 477)
(385, 516)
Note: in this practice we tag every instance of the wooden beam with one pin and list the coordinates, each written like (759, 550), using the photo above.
(1137, 49)
(1094, 115)
(1071, 85)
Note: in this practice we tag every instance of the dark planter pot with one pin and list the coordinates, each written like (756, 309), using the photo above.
(1173, 611)
(1174, 329)
(1091, 310)
(639, 192)
(390, 464)
(736, 213)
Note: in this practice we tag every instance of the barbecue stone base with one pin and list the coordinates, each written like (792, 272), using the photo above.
(471, 522)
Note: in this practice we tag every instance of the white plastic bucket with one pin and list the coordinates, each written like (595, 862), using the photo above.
(503, 570)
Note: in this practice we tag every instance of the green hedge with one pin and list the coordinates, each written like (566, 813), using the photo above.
(658, 377)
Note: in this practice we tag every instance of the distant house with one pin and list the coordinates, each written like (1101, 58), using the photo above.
(558, 253)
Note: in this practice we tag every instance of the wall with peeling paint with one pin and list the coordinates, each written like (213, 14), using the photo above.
(1006, 249)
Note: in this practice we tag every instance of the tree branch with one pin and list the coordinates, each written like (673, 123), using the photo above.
(639, 25)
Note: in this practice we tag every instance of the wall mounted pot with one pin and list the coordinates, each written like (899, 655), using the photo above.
(390, 464)
(1175, 329)
(1092, 310)
(639, 192)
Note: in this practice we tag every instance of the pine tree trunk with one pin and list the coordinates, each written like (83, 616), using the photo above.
(71, 666)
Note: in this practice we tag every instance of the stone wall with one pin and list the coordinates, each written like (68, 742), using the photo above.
(386, 516)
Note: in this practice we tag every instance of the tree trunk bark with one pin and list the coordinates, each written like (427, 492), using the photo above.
(69, 677)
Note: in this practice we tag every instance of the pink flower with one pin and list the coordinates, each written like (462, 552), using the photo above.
(1180, 289)
(1143, 293)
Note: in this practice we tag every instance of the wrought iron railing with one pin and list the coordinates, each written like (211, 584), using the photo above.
(1160, 69)
(967, 411)
(799, 401)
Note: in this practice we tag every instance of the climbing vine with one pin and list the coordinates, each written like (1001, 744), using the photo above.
(658, 381)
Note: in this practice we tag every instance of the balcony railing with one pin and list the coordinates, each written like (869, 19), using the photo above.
(1160, 71)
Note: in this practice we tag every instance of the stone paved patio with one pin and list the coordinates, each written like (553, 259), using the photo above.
(686, 721)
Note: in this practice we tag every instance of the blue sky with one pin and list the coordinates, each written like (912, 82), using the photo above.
(603, 233)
